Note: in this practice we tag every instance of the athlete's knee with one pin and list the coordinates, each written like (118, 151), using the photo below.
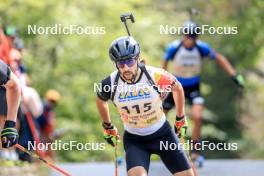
(197, 111)
(137, 171)
(188, 172)
(197, 118)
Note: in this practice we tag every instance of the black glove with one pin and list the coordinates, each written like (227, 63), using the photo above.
(9, 135)
(181, 126)
(111, 134)
(239, 80)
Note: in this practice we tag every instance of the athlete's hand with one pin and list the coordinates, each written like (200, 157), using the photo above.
(181, 126)
(111, 134)
(9, 135)
(239, 80)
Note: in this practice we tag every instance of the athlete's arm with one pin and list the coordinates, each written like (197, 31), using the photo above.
(225, 64)
(111, 134)
(103, 95)
(9, 134)
(11, 83)
(12, 97)
(179, 99)
(206, 51)
(166, 80)
(169, 54)
(103, 109)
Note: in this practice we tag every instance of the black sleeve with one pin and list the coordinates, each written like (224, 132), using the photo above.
(4, 73)
(104, 89)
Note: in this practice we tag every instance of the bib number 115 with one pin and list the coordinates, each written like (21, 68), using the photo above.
(146, 107)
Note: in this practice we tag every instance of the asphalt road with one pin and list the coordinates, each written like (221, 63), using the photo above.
(211, 168)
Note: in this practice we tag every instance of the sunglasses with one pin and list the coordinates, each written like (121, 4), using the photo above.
(129, 63)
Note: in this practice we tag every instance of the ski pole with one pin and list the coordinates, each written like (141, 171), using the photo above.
(31, 124)
(116, 162)
(188, 155)
(41, 159)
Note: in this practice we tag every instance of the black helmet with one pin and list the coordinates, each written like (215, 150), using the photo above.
(124, 48)
(191, 28)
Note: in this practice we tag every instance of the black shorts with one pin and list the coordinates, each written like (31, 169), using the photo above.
(139, 149)
(192, 94)
(3, 104)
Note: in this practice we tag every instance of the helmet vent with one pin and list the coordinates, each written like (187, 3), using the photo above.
(117, 48)
(134, 47)
(127, 43)
(115, 54)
